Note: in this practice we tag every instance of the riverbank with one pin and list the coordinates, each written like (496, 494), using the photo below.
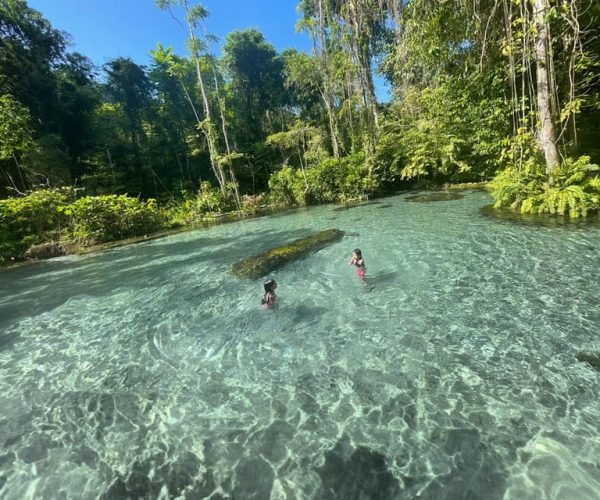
(58, 247)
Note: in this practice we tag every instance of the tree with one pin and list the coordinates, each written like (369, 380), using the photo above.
(546, 134)
(300, 141)
(255, 85)
(29, 50)
(128, 85)
(304, 85)
(78, 96)
(15, 138)
(171, 77)
(194, 18)
(314, 21)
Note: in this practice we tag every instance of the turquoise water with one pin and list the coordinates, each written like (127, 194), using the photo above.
(149, 371)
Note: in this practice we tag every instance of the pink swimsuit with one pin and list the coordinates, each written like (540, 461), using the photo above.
(361, 270)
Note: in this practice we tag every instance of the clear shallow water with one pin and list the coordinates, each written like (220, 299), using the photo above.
(149, 371)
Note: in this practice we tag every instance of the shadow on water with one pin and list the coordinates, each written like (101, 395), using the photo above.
(308, 314)
(382, 278)
(543, 220)
(347, 207)
(290, 211)
(146, 265)
(477, 470)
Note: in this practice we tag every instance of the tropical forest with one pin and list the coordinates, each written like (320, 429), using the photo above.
(505, 93)
(414, 192)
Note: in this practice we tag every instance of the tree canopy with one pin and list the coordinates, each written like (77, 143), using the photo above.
(497, 90)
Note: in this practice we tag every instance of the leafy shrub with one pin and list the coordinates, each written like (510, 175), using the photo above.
(194, 208)
(330, 181)
(348, 178)
(513, 185)
(110, 217)
(37, 213)
(32, 219)
(574, 188)
(324, 181)
(251, 203)
(288, 187)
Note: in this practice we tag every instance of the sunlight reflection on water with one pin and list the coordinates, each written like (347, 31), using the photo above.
(150, 370)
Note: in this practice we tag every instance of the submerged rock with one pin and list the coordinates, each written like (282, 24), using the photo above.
(426, 198)
(360, 472)
(592, 359)
(259, 265)
(343, 208)
(359, 202)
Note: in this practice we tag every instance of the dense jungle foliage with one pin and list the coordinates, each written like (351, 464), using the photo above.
(506, 91)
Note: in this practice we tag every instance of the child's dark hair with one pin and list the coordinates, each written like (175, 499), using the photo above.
(269, 284)
(357, 252)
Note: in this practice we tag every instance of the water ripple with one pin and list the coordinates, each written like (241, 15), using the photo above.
(148, 371)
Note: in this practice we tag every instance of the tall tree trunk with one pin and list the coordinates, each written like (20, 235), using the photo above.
(358, 17)
(206, 125)
(546, 132)
(327, 92)
(333, 129)
(226, 138)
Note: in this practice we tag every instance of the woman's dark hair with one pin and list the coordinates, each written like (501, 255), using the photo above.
(269, 284)
(357, 252)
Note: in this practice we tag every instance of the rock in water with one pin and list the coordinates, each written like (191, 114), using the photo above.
(260, 265)
(592, 359)
(430, 197)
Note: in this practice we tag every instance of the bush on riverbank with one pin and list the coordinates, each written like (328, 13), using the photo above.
(49, 222)
(55, 215)
(32, 219)
(330, 181)
(574, 190)
(196, 207)
(97, 219)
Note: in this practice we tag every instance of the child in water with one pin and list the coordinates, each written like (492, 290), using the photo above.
(358, 261)
(269, 300)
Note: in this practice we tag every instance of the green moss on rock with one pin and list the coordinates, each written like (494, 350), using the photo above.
(260, 265)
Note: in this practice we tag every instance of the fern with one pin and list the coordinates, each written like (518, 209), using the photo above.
(574, 190)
